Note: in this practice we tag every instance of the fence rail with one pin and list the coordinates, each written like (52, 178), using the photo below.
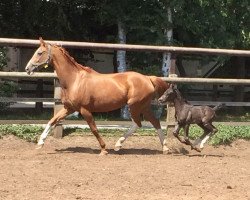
(26, 99)
(127, 47)
(168, 79)
(25, 75)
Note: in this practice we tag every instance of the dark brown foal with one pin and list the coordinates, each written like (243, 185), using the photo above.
(187, 114)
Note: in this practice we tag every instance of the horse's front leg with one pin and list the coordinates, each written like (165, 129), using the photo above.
(176, 133)
(54, 120)
(186, 138)
(90, 120)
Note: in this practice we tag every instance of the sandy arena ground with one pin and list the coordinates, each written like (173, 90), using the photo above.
(70, 168)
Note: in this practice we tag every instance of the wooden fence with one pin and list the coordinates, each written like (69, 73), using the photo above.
(167, 79)
(127, 47)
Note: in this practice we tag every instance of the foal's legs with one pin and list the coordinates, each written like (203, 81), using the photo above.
(209, 130)
(54, 120)
(212, 129)
(186, 138)
(176, 133)
(90, 120)
(206, 131)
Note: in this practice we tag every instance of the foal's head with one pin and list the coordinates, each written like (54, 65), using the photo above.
(169, 95)
(41, 57)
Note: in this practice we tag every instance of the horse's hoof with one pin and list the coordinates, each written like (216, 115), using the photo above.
(39, 146)
(118, 144)
(117, 148)
(165, 150)
(103, 153)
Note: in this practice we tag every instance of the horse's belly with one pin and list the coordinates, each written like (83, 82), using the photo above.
(106, 108)
(102, 104)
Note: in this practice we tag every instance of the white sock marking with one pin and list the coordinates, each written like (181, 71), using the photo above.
(197, 141)
(204, 141)
(44, 134)
(119, 142)
(161, 136)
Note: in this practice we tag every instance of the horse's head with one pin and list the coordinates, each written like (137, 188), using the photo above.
(41, 57)
(169, 95)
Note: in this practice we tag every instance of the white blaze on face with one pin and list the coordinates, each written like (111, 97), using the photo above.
(30, 61)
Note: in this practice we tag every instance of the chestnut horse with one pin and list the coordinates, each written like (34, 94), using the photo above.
(87, 91)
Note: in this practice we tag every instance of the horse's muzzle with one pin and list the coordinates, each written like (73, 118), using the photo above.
(161, 100)
(29, 69)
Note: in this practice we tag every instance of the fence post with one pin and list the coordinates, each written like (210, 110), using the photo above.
(58, 130)
(170, 106)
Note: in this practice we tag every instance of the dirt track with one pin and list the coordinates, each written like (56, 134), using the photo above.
(70, 168)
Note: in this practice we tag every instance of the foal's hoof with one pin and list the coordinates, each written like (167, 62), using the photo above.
(196, 149)
(103, 153)
(39, 146)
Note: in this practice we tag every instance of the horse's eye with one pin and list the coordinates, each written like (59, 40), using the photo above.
(39, 53)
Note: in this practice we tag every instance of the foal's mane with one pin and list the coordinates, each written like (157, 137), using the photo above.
(72, 60)
(179, 95)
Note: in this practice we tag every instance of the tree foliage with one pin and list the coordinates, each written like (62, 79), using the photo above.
(201, 23)
(210, 23)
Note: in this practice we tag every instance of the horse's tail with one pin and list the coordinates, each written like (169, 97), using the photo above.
(218, 107)
(159, 85)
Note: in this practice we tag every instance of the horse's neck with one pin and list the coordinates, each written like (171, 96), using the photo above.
(66, 73)
(179, 102)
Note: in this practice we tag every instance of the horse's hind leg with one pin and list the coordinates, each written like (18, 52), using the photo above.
(90, 120)
(209, 130)
(212, 129)
(156, 123)
(118, 144)
(197, 142)
(135, 115)
(54, 120)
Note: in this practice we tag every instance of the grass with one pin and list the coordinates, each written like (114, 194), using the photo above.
(26, 132)
(225, 135)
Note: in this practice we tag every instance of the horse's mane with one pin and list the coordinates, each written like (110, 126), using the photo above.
(72, 60)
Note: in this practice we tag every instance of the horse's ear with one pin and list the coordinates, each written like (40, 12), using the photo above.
(42, 41)
(173, 86)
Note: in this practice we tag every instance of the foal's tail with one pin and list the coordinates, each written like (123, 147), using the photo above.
(159, 85)
(220, 106)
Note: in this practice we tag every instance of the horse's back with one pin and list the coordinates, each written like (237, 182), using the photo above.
(138, 87)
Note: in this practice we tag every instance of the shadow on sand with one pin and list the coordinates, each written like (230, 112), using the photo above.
(133, 151)
(184, 152)
(110, 151)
